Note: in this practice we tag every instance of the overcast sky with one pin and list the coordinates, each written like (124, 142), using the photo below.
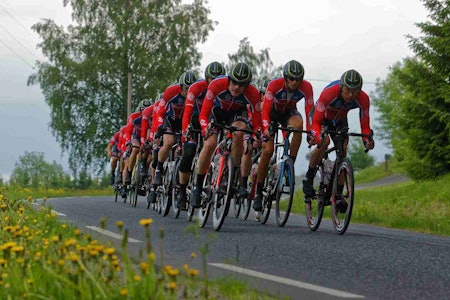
(327, 37)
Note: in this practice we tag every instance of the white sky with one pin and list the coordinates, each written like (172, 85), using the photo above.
(326, 36)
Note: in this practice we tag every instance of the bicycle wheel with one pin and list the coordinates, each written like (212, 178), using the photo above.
(205, 206)
(341, 218)
(314, 206)
(116, 192)
(247, 203)
(134, 187)
(285, 193)
(175, 191)
(269, 190)
(235, 200)
(222, 193)
(166, 189)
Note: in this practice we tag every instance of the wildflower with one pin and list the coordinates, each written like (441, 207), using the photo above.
(29, 198)
(144, 267)
(172, 285)
(17, 249)
(109, 251)
(93, 253)
(123, 292)
(137, 278)
(119, 224)
(63, 225)
(70, 242)
(77, 232)
(3, 262)
(54, 238)
(193, 255)
(8, 245)
(152, 256)
(3, 207)
(192, 272)
(146, 222)
(73, 257)
(60, 262)
(171, 271)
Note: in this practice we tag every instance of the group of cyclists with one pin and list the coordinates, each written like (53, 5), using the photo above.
(231, 99)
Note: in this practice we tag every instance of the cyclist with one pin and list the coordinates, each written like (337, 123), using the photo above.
(133, 135)
(113, 152)
(169, 114)
(226, 101)
(280, 106)
(147, 114)
(331, 110)
(194, 100)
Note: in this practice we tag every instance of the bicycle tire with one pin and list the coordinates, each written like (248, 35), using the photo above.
(314, 206)
(235, 200)
(286, 186)
(134, 186)
(342, 220)
(247, 203)
(205, 206)
(222, 194)
(116, 192)
(166, 194)
(268, 193)
(175, 190)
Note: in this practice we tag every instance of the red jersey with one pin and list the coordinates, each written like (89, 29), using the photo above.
(194, 100)
(279, 99)
(219, 95)
(121, 141)
(171, 105)
(130, 125)
(331, 106)
(147, 115)
(115, 138)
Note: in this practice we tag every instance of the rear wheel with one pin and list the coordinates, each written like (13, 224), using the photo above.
(175, 191)
(222, 194)
(235, 200)
(314, 206)
(268, 193)
(166, 191)
(247, 203)
(285, 193)
(135, 186)
(116, 192)
(343, 191)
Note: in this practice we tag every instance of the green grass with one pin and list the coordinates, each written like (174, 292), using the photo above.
(377, 172)
(417, 206)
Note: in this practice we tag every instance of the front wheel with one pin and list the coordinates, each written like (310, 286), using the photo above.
(222, 193)
(205, 206)
(314, 206)
(175, 191)
(342, 196)
(268, 193)
(285, 193)
(167, 187)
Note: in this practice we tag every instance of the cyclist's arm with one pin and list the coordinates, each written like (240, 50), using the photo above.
(188, 109)
(309, 101)
(364, 115)
(207, 106)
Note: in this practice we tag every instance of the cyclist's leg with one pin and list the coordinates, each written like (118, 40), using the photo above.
(189, 149)
(295, 120)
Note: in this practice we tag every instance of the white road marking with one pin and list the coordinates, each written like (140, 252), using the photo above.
(112, 234)
(287, 281)
(58, 213)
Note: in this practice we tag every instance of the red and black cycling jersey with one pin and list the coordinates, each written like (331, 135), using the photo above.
(130, 125)
(147, 115)
(194, 101)
(279, 99)
(219, 96)
(330, 106)
(170, 106)
(115, 139)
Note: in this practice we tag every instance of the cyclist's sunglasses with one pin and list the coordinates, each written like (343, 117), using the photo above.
(238, 83)
(293, 78)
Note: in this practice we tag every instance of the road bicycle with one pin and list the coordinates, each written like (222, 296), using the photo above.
(220, 182)
(279, 184)
(195, 136)
(164, 191)
(139, 183)
(117, 186)
(333, 182)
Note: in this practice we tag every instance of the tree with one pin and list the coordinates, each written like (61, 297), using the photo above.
(33, 171)
(360, 159)
(414, 100)
(261, 64)
(85, 80)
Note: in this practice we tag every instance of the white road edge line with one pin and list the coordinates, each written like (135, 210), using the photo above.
(287, 281)
(112, 234)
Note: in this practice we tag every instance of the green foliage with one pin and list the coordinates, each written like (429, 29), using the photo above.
(360, 159)
(261, 64)
(85, 77)
(414, 100)
(33, 171)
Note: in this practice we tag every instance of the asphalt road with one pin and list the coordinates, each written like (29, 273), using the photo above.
(366, 262)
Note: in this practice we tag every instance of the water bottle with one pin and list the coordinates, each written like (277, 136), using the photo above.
(327, 170)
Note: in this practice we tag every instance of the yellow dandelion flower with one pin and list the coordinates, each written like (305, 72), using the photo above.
(193, 255)
(60, 262)
(30, 281)
(146, 222)
(109, 251)
(54, 238)
(77, 232)
(3, 262)
(186, 267)
(17, 249)
(70, 242)
(172, 285)
(29, 198)
(62, 225)
(93, 253)
(137, 278)
(119, 224)
(171, 271)
(144, 267)
(4, 207)
(8, 245)
(123, 292)
(152, 256)
(193, 272)
(73, 257)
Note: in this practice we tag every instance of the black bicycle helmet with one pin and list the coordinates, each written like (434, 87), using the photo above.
(143, 104)
(214, 70)
(187, 79)
(351, 80)
(293, 69)
(241, 74)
